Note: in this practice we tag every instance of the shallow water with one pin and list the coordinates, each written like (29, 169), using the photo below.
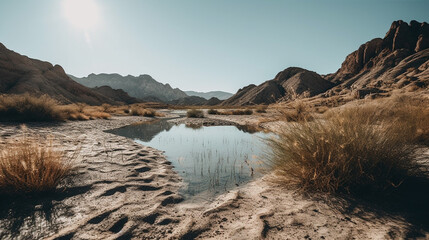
(210, 160)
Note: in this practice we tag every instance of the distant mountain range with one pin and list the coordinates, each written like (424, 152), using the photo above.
(142, 87)
(399, 60)
(20, 74)
(207, 95)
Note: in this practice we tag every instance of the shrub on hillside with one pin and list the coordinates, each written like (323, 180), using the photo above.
(195, 113)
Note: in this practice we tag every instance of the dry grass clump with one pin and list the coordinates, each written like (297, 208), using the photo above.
(213, 112)
(195, 113)
(242, 112)
(231, 112)
(409, 114)
(22, 108)
(261, 109)
(106, 107)
(98, 115)
(30, 165)
(26, 108)
(297, 112)
(81, 112)
(138, 111)
(352, 150)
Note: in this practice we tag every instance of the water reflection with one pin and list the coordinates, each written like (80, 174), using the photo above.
(210, 159)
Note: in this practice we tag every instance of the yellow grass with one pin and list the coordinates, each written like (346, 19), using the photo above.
(195, 113)
(24, 107)
(31, 165)
(231, 112)
(358, 147)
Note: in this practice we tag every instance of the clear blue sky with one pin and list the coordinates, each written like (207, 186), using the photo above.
(198, 44)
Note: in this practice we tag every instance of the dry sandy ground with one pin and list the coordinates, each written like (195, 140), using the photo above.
(122, 190)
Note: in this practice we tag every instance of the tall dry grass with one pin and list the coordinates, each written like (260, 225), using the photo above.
(355, 148)
(26, 108)
(31, 165)
(139, 111)
(195, 113)
(297, 111)
(231, 112)
(21, 108)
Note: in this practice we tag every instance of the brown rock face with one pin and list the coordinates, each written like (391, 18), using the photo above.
(398, 60)
(377, 56)
(117, 95)
(289, 82)
(20, 74)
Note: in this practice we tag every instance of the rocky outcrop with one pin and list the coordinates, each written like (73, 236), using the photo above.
(374, 62)
(287, 84)
(117, 95)
(20, 74)
(212, 94)
(141, 87)
(398, 60)
(195, 101)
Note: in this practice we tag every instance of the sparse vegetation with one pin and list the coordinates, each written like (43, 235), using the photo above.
(231, 112)
(242, 112)
(31, 165)
(297, 112)
(261, 109)
(213, 112)
(22, 108)
(195, 113)
(138, 111)
(355, 148)
(106, 107)
(26, 108)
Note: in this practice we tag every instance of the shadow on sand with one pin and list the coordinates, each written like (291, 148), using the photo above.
(33, 216)
(410, 201)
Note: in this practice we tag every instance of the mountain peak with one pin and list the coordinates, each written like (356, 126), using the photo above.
(413, 36)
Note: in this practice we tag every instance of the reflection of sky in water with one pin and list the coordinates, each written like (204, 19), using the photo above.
(210, 159)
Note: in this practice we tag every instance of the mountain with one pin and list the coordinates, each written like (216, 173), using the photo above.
(207, 95)
(399, 60)
(196, 101)
(142, 87)
(21, 74)
(287, 83)
(117, 95)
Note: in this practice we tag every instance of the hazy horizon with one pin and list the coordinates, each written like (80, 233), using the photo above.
(198, 45)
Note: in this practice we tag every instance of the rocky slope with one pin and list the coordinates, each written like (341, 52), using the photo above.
(399, 60)
(117, 95)
(142, 87)
(20, 74)
(287, 83)
(212, 94)
(195, 101)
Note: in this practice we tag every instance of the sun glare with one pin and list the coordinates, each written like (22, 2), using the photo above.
(83, 14)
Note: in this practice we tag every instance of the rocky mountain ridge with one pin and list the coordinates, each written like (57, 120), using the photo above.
(399, 60)
(141, 87)
(221, 95)
(20, 74)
